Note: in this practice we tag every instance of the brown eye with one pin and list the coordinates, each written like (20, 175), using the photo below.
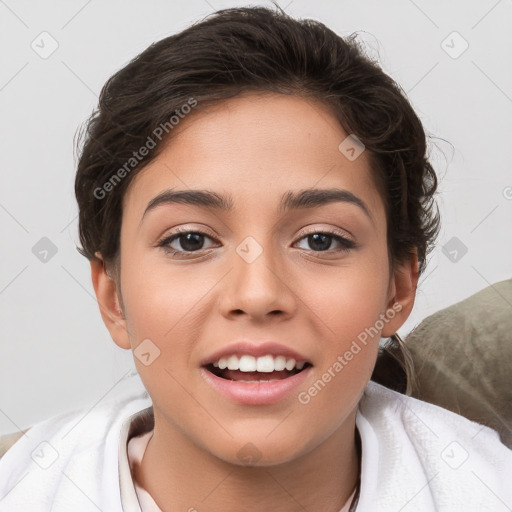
(190, 241)
(321, 241)
(185, 241)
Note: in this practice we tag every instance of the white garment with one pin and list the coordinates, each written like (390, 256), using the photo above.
(415, 457)
(136, 449)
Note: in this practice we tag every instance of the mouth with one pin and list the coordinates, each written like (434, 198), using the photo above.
(248, 368)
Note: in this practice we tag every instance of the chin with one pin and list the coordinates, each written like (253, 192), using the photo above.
(260, 451)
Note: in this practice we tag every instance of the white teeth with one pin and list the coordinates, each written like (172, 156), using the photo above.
(280, 363)
(233, 363)
(264, 364)
(290, 364)
(247, 364)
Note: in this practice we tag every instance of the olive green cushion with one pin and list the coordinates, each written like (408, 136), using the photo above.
(463, 358)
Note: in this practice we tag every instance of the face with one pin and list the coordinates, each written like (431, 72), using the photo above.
(269, 276)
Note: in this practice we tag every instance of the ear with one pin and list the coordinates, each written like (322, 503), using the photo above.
(402, 291)
(108, 301)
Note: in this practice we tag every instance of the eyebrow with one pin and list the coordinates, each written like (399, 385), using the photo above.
(291, 200)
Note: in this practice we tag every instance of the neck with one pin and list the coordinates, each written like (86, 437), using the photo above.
(180, 475)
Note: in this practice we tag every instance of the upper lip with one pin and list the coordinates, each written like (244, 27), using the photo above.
(256, 349)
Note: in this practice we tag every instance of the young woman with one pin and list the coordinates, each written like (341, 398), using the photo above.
(256, 205)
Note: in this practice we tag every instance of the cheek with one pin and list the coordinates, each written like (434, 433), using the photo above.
(159, 303)
(348, 344)
(347, 304)
(348, 298)
(166, 303)
(162, 306)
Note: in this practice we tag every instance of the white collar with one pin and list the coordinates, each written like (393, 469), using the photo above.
(136, 424)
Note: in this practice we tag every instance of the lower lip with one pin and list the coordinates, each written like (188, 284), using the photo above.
(255, 393)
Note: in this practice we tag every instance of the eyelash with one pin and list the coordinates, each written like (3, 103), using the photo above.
(346, 244)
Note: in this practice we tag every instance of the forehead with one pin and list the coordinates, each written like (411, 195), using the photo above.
(254, 147)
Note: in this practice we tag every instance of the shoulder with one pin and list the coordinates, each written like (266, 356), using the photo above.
(423, 446)
(384, 407)
(82, 444)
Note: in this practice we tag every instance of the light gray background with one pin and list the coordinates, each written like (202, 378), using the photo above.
(55, 353)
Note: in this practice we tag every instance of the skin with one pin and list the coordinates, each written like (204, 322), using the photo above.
(254, 147)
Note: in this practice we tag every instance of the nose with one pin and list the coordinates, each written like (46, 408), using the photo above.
(258, 288)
